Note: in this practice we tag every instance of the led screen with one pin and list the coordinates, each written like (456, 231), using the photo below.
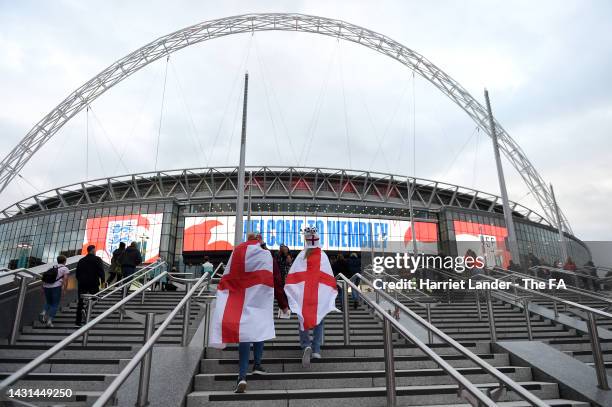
(106, 233)
(336, 233)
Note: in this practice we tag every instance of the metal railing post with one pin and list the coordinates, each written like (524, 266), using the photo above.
(345, 314)
(389, 363)
(429, 331)
(491, 312)
(144, 281)
(600, 366)
(528, 319)
(23, 287)
(478, 306)
(207, 313)
(145, 365)
(124, 291)
(186, 317)
(90, 304)
(555, 309)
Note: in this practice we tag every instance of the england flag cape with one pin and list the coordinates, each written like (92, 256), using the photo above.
(243, 310)
(311, 288)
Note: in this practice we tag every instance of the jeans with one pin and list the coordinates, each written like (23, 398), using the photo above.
(244, 351)
(52, 300)
(317, 338)
(80, 303)
(340, 295)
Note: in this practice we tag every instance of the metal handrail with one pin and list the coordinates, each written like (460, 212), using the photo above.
(502, 378)
(412, 299)
(591, 320)
(144, 270)
(563, 271)
(144, 352)
(19, 270)
(172, 276)
(574, 290)
(43, 357)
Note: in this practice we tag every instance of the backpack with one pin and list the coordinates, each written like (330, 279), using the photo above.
(50, 276)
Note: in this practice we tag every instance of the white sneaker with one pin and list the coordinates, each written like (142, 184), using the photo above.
(316, 355)
(306, 356)
(49, 323)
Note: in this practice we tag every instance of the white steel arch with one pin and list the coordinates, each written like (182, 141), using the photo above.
(163, 46)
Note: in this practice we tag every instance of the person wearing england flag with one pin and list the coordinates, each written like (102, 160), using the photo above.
(311, 291)
(244, 312)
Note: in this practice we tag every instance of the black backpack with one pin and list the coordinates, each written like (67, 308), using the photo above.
(50, 276)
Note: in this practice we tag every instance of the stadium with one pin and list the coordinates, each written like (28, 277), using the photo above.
(172, 331)
(183, 215)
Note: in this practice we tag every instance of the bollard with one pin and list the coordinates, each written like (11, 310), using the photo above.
(145, 364)
(23, 287)
(389, 363)
(90, 304)
(491, 312)
(528, 319)
(345, 314)
(600, 366)
(186, 316)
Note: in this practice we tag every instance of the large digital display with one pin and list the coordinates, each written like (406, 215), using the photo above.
(336, 233)
(485, 240)
(107, 232)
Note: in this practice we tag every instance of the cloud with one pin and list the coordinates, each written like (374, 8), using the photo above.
(546, 65)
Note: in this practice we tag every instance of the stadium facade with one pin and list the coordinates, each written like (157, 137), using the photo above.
(183, 215)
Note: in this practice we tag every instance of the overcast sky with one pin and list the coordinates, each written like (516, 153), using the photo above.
(547, 65)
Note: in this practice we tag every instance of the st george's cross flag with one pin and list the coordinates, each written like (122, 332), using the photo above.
(244, 303)
(311, 288)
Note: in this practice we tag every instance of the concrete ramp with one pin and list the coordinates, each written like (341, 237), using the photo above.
(573, 376)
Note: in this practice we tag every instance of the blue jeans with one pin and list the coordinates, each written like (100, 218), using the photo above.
(53, 296)
(317, 338)
(244, 351)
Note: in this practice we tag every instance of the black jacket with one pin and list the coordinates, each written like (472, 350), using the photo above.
(354, 265)
(90, 271)
(341, 267)
(131, 257)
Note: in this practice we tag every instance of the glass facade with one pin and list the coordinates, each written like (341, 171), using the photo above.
(37, 239)
(459, 227)
(159, 229)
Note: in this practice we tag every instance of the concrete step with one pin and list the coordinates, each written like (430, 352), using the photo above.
(327, 363)
(74, 351)
(79, 398)
(350, 378)
(64, 365)
(74, 381)
(363, 397)
(340, 350)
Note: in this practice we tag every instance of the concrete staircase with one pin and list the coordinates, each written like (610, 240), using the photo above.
(354, 375)
(87, 371)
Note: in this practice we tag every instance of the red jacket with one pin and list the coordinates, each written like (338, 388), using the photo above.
(279, 290)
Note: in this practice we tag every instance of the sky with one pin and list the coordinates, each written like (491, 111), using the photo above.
(317, 101)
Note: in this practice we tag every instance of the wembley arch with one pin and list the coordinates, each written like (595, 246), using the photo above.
(78, 100)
